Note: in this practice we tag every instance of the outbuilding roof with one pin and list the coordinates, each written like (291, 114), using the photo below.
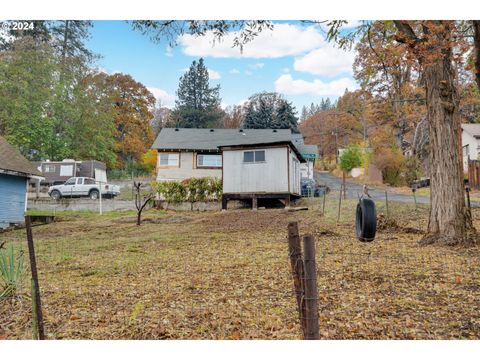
(11, 160)
(305, 149)
(212, 139)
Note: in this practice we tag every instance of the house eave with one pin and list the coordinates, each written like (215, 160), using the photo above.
(20, 174)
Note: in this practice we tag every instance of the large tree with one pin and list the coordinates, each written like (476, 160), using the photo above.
(431, 47)
(27, 76)
(197, 104)
(132, 108)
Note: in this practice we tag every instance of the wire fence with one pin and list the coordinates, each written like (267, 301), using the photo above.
(213, 275)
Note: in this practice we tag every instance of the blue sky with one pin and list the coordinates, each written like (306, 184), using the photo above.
(293, 59)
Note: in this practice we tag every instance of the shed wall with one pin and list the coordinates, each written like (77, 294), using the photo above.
(12, 199)
(269, 176)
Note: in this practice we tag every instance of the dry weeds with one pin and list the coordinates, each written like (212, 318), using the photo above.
(226, 275)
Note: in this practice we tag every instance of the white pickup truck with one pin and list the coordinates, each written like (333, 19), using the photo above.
(83, 186)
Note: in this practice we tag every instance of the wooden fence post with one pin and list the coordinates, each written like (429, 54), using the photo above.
(310, 285)
(37, 306)
(295, 254)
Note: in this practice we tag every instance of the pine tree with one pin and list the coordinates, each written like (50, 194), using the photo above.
(304, 114)
(270, 111)
(70, 37)
(323, 106)
(198, 104)
(328, 104)
(312, 110)
(285, 117)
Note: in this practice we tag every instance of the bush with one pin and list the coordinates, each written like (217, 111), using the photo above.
(391, 162)
(351, 158)
(191, 190)
(132, 169)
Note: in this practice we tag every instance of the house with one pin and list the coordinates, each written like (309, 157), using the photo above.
(57, 172)
(15, 171)
(252, 163)
(309, 153)
(470, 143)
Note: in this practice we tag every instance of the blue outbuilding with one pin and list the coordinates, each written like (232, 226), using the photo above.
(15, 171)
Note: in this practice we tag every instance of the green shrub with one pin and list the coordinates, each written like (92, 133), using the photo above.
(12, 271)
(191, 190)
(413, 169)
(351, 158)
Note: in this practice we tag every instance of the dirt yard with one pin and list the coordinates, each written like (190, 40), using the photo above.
(226, 275)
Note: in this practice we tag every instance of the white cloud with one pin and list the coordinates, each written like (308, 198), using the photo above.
(287, 85)
(256, 66)
(213, 75)
(326, 61)
(285, 70)
(234, 71)
(283, 40)
(169, 51)
(162, 96)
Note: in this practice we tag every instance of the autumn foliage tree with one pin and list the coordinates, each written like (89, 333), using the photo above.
(132, 103)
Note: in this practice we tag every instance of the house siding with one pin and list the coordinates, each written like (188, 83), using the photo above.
(473, 149)
(12, 199)
(269, 176)
(187, 169)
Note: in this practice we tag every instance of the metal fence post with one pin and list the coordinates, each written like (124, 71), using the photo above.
(324, 196)
(386, 202)
(339, 204)
(37, 306)
(310, 285)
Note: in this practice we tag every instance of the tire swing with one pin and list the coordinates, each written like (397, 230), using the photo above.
(366, 220)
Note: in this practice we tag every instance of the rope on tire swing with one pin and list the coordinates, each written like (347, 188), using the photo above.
(366, 217)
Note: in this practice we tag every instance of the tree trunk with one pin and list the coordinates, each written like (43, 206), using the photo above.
(449, 222)
(139, 218)
(476, 49)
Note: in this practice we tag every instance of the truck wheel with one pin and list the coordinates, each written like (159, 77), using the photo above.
(93, 194)
(55, 195)
(366, 220)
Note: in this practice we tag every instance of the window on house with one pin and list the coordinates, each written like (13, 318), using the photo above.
(209, 160)
(254, 156)
(49, 168)
(169, 160)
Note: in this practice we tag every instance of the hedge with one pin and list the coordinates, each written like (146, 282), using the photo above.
(189, 190)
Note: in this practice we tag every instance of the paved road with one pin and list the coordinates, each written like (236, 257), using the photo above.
(353, 189)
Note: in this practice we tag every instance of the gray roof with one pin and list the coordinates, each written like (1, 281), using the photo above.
(13, 161)
(212, 139)
(307, 149)
(297, 139)
(472, 129)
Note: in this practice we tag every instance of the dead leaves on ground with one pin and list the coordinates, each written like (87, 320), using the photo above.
(227, 276)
